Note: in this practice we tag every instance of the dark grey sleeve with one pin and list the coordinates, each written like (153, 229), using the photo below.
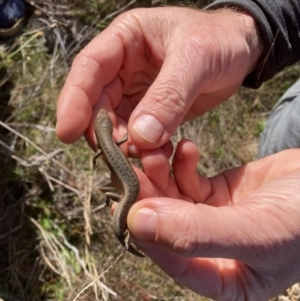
(279, 25)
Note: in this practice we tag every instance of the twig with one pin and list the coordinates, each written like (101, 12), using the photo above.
(35, 146)
(87, 206)
(100, 207)
(30, 162)
(59, 182)
(44, 173)
(53, 27)
(42, 128)
(23, 137)
(16, 227)
(71, 247)
(91, 31)
(89, 285)
(37, 34)
(48, 261)
(53, 245)
(261, 66)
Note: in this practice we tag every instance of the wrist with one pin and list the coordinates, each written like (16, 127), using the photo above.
(246, 28)
(253, 39)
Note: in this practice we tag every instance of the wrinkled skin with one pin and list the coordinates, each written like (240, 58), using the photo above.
(231, 237)
(169, 65)
(235, 236)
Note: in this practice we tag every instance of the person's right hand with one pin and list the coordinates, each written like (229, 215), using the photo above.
(154, 68)
(235, 236)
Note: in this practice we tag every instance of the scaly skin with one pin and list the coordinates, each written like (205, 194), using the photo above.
(122, 175)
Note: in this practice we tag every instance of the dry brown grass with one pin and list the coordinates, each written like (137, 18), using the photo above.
(54, 236)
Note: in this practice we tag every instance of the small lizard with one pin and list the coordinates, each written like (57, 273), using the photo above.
(122, 175)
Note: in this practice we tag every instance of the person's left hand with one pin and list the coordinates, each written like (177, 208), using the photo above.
(152, 69)
(235, 236)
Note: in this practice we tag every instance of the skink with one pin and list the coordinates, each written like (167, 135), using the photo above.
(122, 175)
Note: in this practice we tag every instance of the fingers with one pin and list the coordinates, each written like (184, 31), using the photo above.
(245, 179)
(192, 66)
(235, 232)
(188, 181)
(167, 101)
(160, 51)
(230, 186)
(93, 68)
(157, 168)
(215, 191)
(187, 229)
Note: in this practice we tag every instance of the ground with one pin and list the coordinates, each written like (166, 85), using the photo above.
(55, 237)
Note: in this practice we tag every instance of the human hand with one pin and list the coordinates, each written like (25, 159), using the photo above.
(154, 69)
(235, 236)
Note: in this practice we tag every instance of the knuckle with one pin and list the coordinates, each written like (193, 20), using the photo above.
(168, 98)
(187, 243)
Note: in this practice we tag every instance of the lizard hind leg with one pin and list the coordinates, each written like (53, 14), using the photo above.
(128, 246)
(109, 198)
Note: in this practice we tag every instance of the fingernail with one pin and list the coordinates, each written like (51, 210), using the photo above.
(148, 127)
(144, 224)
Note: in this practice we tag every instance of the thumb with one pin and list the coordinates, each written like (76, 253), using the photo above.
(165, 104)
(188, 229)
(198, 230)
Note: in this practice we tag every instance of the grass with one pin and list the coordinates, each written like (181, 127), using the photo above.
(55, 237)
